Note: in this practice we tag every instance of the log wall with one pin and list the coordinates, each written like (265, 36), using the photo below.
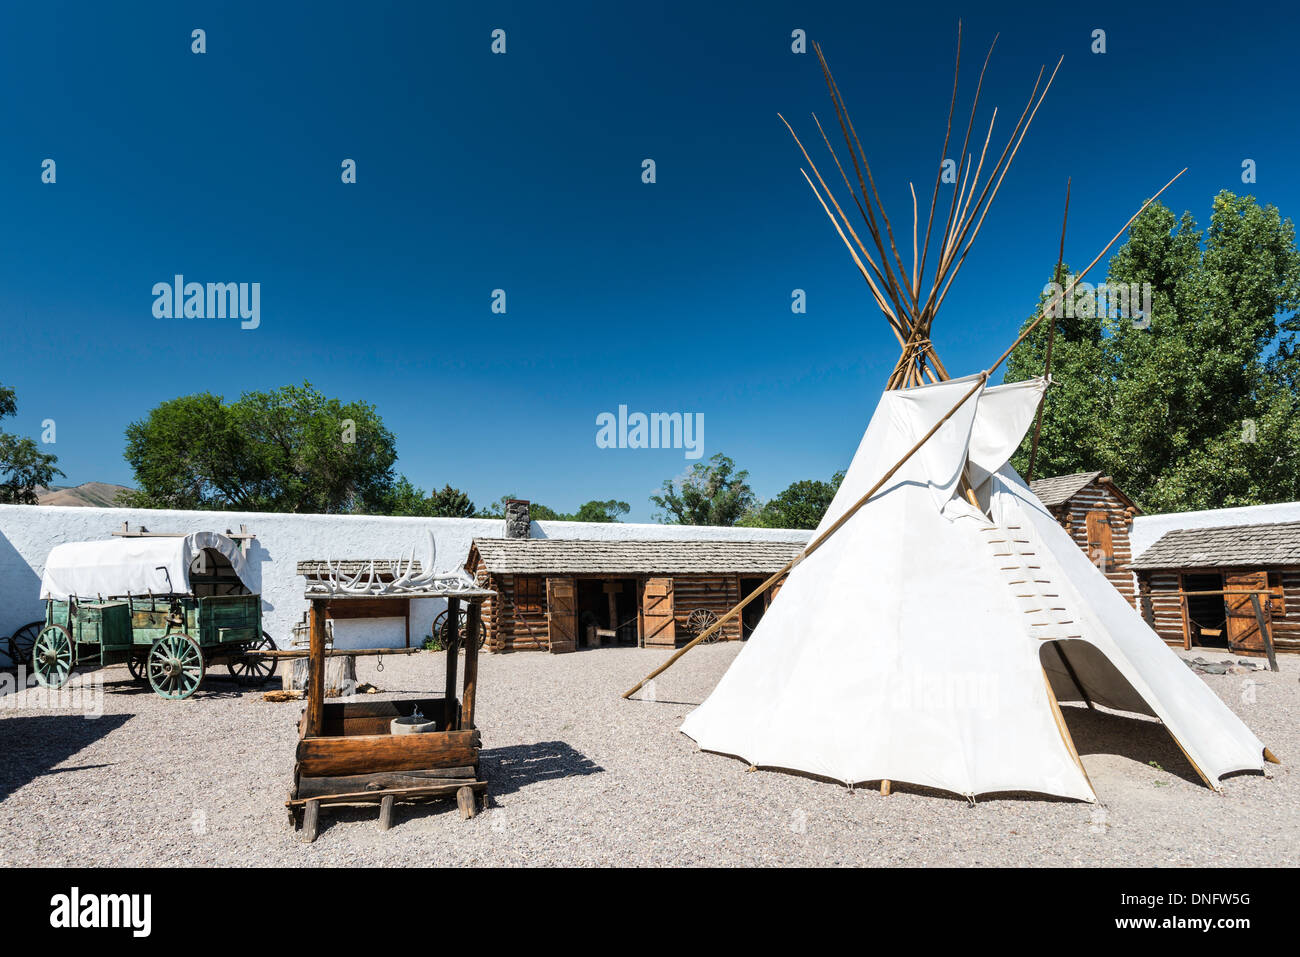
(1098, 496)
(510, 628)
(1160, 602)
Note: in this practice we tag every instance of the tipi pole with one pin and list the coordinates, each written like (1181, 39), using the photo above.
(1051, 334)
(812, 546)
(1060, 297)
(1066, 738)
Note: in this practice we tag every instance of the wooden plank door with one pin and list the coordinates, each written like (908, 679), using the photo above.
(562, 614)
(1101, 549)
(1243, 627)
(657, 610)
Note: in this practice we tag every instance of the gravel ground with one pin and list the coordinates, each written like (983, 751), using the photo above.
(579, 776)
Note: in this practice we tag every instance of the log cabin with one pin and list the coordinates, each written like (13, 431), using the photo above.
(561, 595)
(1098, 517)
(1195, 587)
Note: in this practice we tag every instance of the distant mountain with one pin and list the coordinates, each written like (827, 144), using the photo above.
(96, 494)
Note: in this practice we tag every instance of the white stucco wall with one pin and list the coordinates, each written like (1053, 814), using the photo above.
(28, 532)
(1147, 529)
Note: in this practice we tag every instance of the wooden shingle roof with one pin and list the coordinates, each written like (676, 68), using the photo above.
(1228, 546)
(532, 556)
(1058, 489)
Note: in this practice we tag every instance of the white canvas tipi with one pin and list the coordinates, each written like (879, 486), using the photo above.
(917, 643)
(940, 613)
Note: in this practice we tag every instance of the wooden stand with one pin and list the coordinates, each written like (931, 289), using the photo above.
(347, 753)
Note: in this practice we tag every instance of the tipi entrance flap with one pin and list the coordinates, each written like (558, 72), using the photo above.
(1004, 416)
(901, 419)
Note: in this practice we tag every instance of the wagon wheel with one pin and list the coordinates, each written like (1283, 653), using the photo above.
(699, 621)
(52, 656)
(441, 630)
(175, 666)
(139, 668)
(21, 642)
(255, 670)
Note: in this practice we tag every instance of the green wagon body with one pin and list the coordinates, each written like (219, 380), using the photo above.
(114, 631)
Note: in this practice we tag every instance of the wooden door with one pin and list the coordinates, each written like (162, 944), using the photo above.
(561, 614)
(1100, 548)
(1243, 626)
(657, 610)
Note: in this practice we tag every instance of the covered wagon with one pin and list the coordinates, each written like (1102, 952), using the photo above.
(169, 607)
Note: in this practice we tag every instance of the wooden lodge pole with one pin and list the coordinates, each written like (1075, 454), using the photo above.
(813, 545)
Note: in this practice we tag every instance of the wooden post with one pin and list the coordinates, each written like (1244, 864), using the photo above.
(453, 657)
(471, 664)
(1066, 738)
(1264, 632)
(316, 669)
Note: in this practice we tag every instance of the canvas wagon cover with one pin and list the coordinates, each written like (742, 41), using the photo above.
(117, 567)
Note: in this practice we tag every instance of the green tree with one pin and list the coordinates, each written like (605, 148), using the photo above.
(596, 511)
(801, 505)
(593, 511)
(447, 502)
(1197, 405)
(709, 494)
(291, 450)
(23, 466)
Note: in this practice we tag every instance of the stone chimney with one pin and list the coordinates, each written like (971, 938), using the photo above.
(518, 519)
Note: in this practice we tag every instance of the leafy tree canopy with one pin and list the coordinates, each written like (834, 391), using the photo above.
(593, 511)
(1196, 405)
(291, 450)
(801, 505)
(23, 466)
(447, 502)
(711, 493)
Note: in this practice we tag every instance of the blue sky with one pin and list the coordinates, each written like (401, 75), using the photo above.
(523, 172)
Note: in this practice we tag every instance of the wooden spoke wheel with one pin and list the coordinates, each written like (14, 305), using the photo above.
(21, 642)
(139, 668)
(699, 621)
(254, 670)
(175, 666)
(52, 658)
(442, 630)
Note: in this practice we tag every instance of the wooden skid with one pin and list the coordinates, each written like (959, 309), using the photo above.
(400, 794)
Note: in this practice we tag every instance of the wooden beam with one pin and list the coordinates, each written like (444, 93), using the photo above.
(471, 664)
(1264, 631)
(374, 753)
(316, 668)
(453, 657)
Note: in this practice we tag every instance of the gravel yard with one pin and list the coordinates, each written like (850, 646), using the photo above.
(579, 776)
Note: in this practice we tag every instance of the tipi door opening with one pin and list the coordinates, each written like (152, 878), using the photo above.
(1080, 674)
